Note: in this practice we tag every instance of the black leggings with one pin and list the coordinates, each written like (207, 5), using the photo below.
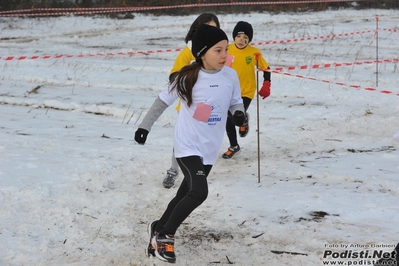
(231, 128)
(192, 192)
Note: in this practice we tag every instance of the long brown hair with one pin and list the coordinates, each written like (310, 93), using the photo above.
(185, 81)
(204, 18)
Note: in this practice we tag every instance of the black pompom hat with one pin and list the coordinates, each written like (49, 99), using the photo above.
(204, 38)
(243, 27)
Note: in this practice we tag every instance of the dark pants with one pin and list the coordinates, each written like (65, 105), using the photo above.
(231, 128)
(192, 192)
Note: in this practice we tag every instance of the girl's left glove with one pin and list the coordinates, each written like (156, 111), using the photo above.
(265, 90)
(141, 135)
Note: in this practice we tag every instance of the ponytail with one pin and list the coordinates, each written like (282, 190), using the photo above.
(185, 81)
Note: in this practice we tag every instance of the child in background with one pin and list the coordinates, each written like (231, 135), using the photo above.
(207, 90)
(184, 58)
(244, 63)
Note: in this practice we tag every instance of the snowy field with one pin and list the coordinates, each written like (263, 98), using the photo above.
(75, 188)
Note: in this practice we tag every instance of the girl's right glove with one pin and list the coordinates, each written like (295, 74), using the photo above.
(265, 90)
(141, 135)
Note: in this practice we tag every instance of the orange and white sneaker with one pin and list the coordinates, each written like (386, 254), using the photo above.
(244, 129)
(231, 151)
(164, 247)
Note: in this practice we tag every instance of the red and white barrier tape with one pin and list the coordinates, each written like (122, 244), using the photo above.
(86, 11)
(73, 9)
(313, 38)
(34, 57)
(390, 30)
(353, 86)
(11, 57)
(330, 65)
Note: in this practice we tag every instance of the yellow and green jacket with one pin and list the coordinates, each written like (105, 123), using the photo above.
(244, 63)
(184, 58)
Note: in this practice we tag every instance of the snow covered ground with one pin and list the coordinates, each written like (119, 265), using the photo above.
(75, 189)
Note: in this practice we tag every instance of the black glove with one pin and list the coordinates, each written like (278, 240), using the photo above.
(141, 135)
(239, 118)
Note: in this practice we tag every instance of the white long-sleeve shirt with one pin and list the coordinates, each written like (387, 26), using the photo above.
(221, 91)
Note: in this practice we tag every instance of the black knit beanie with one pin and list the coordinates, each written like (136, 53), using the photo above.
(204, 38)
(243, 27)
